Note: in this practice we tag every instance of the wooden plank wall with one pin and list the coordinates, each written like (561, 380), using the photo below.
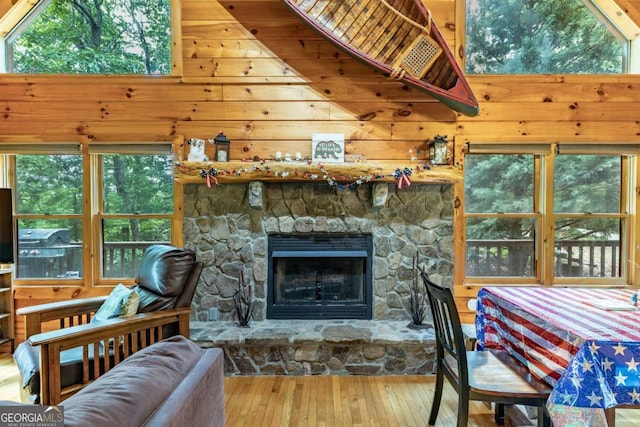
(5, 5)
(632, 8)
(254, 71)
(281, 82)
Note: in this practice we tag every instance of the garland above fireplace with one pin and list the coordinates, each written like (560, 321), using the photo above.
(236, 172)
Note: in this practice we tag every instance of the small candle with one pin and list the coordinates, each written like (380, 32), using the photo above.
(298, 156)
(287, 157)
(278, 155)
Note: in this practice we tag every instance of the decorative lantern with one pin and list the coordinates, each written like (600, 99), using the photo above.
(222, 147)
(438, 150)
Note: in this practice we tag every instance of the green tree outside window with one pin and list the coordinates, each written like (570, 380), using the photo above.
(95, 37)
(539, 37)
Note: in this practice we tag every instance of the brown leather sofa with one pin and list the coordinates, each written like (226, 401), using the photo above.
(166, 281)
(173, 383)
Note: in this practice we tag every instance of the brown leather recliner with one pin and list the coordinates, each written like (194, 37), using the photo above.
(166, 280)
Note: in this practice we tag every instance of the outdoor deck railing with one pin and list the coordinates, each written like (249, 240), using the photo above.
(120, 260)
(573, 258)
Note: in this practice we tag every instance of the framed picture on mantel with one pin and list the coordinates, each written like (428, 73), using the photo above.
(327, 148)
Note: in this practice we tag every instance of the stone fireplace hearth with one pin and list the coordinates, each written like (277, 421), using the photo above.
(228, 226)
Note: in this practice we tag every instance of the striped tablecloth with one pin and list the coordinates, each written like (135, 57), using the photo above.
(590, 356)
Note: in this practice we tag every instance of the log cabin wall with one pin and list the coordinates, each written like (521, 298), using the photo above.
(631, 7)
(5, 5)
(253, 70)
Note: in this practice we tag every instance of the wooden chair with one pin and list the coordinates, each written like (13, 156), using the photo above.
(477, 375)
(73, 357)
(54, 364)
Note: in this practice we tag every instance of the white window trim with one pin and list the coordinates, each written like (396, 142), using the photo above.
(15, 21)
(619, 22)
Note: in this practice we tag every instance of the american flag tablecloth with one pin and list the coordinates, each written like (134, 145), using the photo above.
(591, 356)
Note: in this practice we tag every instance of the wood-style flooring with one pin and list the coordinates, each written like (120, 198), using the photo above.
(334, 401)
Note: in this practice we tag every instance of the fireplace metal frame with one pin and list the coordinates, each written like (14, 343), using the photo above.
(329, 245)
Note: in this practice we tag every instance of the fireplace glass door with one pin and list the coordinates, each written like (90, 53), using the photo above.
(320, 277)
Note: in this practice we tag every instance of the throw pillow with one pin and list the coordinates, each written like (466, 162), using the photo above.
(122, 301)
(130, 304)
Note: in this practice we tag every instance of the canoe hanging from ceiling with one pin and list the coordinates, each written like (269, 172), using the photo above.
(395, 37)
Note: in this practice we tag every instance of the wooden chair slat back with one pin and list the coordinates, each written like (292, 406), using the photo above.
(449, 336)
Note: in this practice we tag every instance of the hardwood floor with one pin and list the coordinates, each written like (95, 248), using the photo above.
(9, 389)
(338, 401)
(333, 401)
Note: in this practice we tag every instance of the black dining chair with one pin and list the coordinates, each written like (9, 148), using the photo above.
(489, 376)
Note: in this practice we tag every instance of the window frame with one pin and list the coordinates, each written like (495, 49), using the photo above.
(622, 26)
(8, 151)
(538, 150)
(608, 12)
(99, 215)
(545, 217)
(92, 215)
(22, 13)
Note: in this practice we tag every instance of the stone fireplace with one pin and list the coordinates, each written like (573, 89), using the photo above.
(230, 225)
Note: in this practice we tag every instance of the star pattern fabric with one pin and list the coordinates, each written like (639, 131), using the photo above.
(589, 356)
(601, 375)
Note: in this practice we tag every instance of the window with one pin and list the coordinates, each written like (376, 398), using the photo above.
(588, 219)
(500, 221)
(521, 226)
(137, 209)
(87, 218)
(49, 211)
(82, 37)
(546, 37)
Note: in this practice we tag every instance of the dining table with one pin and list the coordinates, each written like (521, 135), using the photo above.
(584, 342)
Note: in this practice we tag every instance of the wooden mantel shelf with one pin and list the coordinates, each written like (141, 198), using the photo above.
(236, 172)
